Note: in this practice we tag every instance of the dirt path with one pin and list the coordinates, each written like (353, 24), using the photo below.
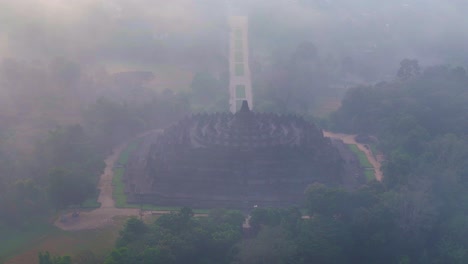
(103, 215)
(105, 182)
(351, 139)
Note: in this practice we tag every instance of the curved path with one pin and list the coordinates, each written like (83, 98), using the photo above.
(351, 139)
(104, 214)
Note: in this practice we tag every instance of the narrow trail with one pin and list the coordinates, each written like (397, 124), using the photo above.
(103, 215)
(351, 139)
(105, 182)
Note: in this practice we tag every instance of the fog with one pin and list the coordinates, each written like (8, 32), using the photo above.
(371, 94)
(357, 42)
(90, 31)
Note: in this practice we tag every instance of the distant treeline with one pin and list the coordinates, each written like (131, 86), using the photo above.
(417, 215)
(64, 167)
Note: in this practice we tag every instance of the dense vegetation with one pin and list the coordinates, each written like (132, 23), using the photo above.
(421, 122)
(417, 215)
(58, 164)
(369, 225)
(179, 238)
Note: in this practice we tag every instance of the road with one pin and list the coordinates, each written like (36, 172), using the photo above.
(351, 139)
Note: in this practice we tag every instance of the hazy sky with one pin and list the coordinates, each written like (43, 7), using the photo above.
(81, 29)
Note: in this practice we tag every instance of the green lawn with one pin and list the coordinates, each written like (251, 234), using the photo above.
(13, 240)
(368, 168)
(361, 156)
(119, 188)
(91, 203)
(58, 242)
(125, 154)
(177, 76)
(370, 174)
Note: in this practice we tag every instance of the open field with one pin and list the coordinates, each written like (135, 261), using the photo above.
(174, 77)
(364, 162)
(14, 241)
(125, 155)
(362, 156)
(326, 105)
(369, 173)
(91, 203)
(118, 192)
(119, 188)
(99, 241)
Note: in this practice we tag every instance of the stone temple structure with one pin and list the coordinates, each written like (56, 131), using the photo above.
(234, 161)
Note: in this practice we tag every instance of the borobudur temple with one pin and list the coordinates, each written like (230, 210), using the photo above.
(232, 161)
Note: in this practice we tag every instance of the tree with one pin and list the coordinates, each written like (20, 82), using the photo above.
(87, 257)
(323, 240)
(451, 252)
(67, 189)
(121, 256)
(133, 230)
(177, 222)
(329, 202)
(408, 69)
(46, 258)
(265, 217)
(179, 238)
(271, 246)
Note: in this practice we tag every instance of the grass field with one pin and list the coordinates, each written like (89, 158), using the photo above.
(368, 168)
(13, 241)
(58, 242)
(118, 193)
(125, 154)
(166, 76)
(369, 173)
(91, 203)
(361, 156)
(326, 105)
